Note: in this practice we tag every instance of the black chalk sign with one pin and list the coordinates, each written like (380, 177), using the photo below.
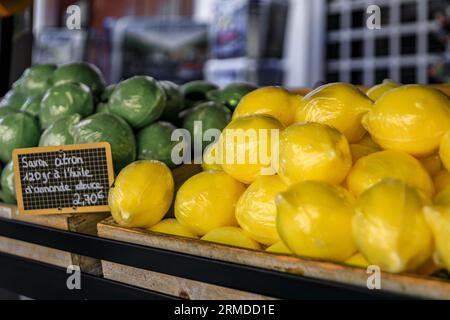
(63, 179)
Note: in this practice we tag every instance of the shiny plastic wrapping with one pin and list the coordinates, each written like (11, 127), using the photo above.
(60, 132)
(104, 127)
(35, 80)
(17, 130)
(438, 217)
(444, 150)
(246, 146)
(232, 236)
(315, 220)
(208, 201)
(231, 95)
(441, 180)
(375, 167)
(139, 100)
(339, 105)
(80, 72)
(389, 226)
(32, 105)
(411, 118)
(256, 211)
(7, 185)
(313, 151)
(142, 194)
(172, 226)
(63, 100)
(154, 143)
(274, 101)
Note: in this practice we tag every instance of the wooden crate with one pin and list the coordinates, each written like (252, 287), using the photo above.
(83, 223)
(405, 284)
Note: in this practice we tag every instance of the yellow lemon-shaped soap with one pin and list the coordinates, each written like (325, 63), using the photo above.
(443, 197)
(378, 90)
(232, 236)
(410, 118)
(211, 161)
(256, 212)
(441, 180)
(172, 226)
(375, 167)
(248, 146)
(389, 226)
(274, 101)
(338, 105)
(279, 247)
(357, 260)
(444, 150)
(314, 220)
(313, 151)
(432, 164)
(142, 194)
(207, 201)
(439, 220)
(363, 148)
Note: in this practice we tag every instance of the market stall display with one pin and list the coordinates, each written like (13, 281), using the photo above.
(349, 180)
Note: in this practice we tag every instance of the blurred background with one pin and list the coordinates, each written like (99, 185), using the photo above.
(295, 43)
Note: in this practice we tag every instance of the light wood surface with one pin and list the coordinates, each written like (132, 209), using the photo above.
(83, 223)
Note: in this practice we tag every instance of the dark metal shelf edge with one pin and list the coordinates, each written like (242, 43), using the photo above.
(38, 280)
(240, 277)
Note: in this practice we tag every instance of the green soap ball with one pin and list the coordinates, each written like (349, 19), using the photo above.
(17, 130)
(139, 100)
(4, 110)
(106, 95)
(13, 99)
(195, 91)
(60, 133)
(81, 72)
(105, 127)
(36, 80)
(154, 143)
(32, 105)
(102, 107)
(231, 95)
(7, 184)
(212, 115)
(65, 99)
(174, 101)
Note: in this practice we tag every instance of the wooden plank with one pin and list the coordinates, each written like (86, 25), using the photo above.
(407, 284)
(174, 286)
(83, 223)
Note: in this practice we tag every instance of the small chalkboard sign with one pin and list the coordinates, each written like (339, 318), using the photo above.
(63, 179)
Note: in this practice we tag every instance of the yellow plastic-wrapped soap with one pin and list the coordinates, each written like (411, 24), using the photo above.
(444, 150)
(441, 180)
(389, 226)
(232, 236)
(357, 260)
(211, 161)
(314, 220)
(172, 226)
(142, 194)
(313, 151)
(411, 118)
(256, 212)
(378, 90)
(274, 101)
(338, 105)
(439, 219)
(246, 146)
(375, 167)
(279, 247)
(207, 201)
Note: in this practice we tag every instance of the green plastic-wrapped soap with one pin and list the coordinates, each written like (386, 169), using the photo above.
(61, 132)
(7, 185)
(139, 100)
(17, 130)
(36, 80)
(81, 72)
(64, 99)
(105, 127)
